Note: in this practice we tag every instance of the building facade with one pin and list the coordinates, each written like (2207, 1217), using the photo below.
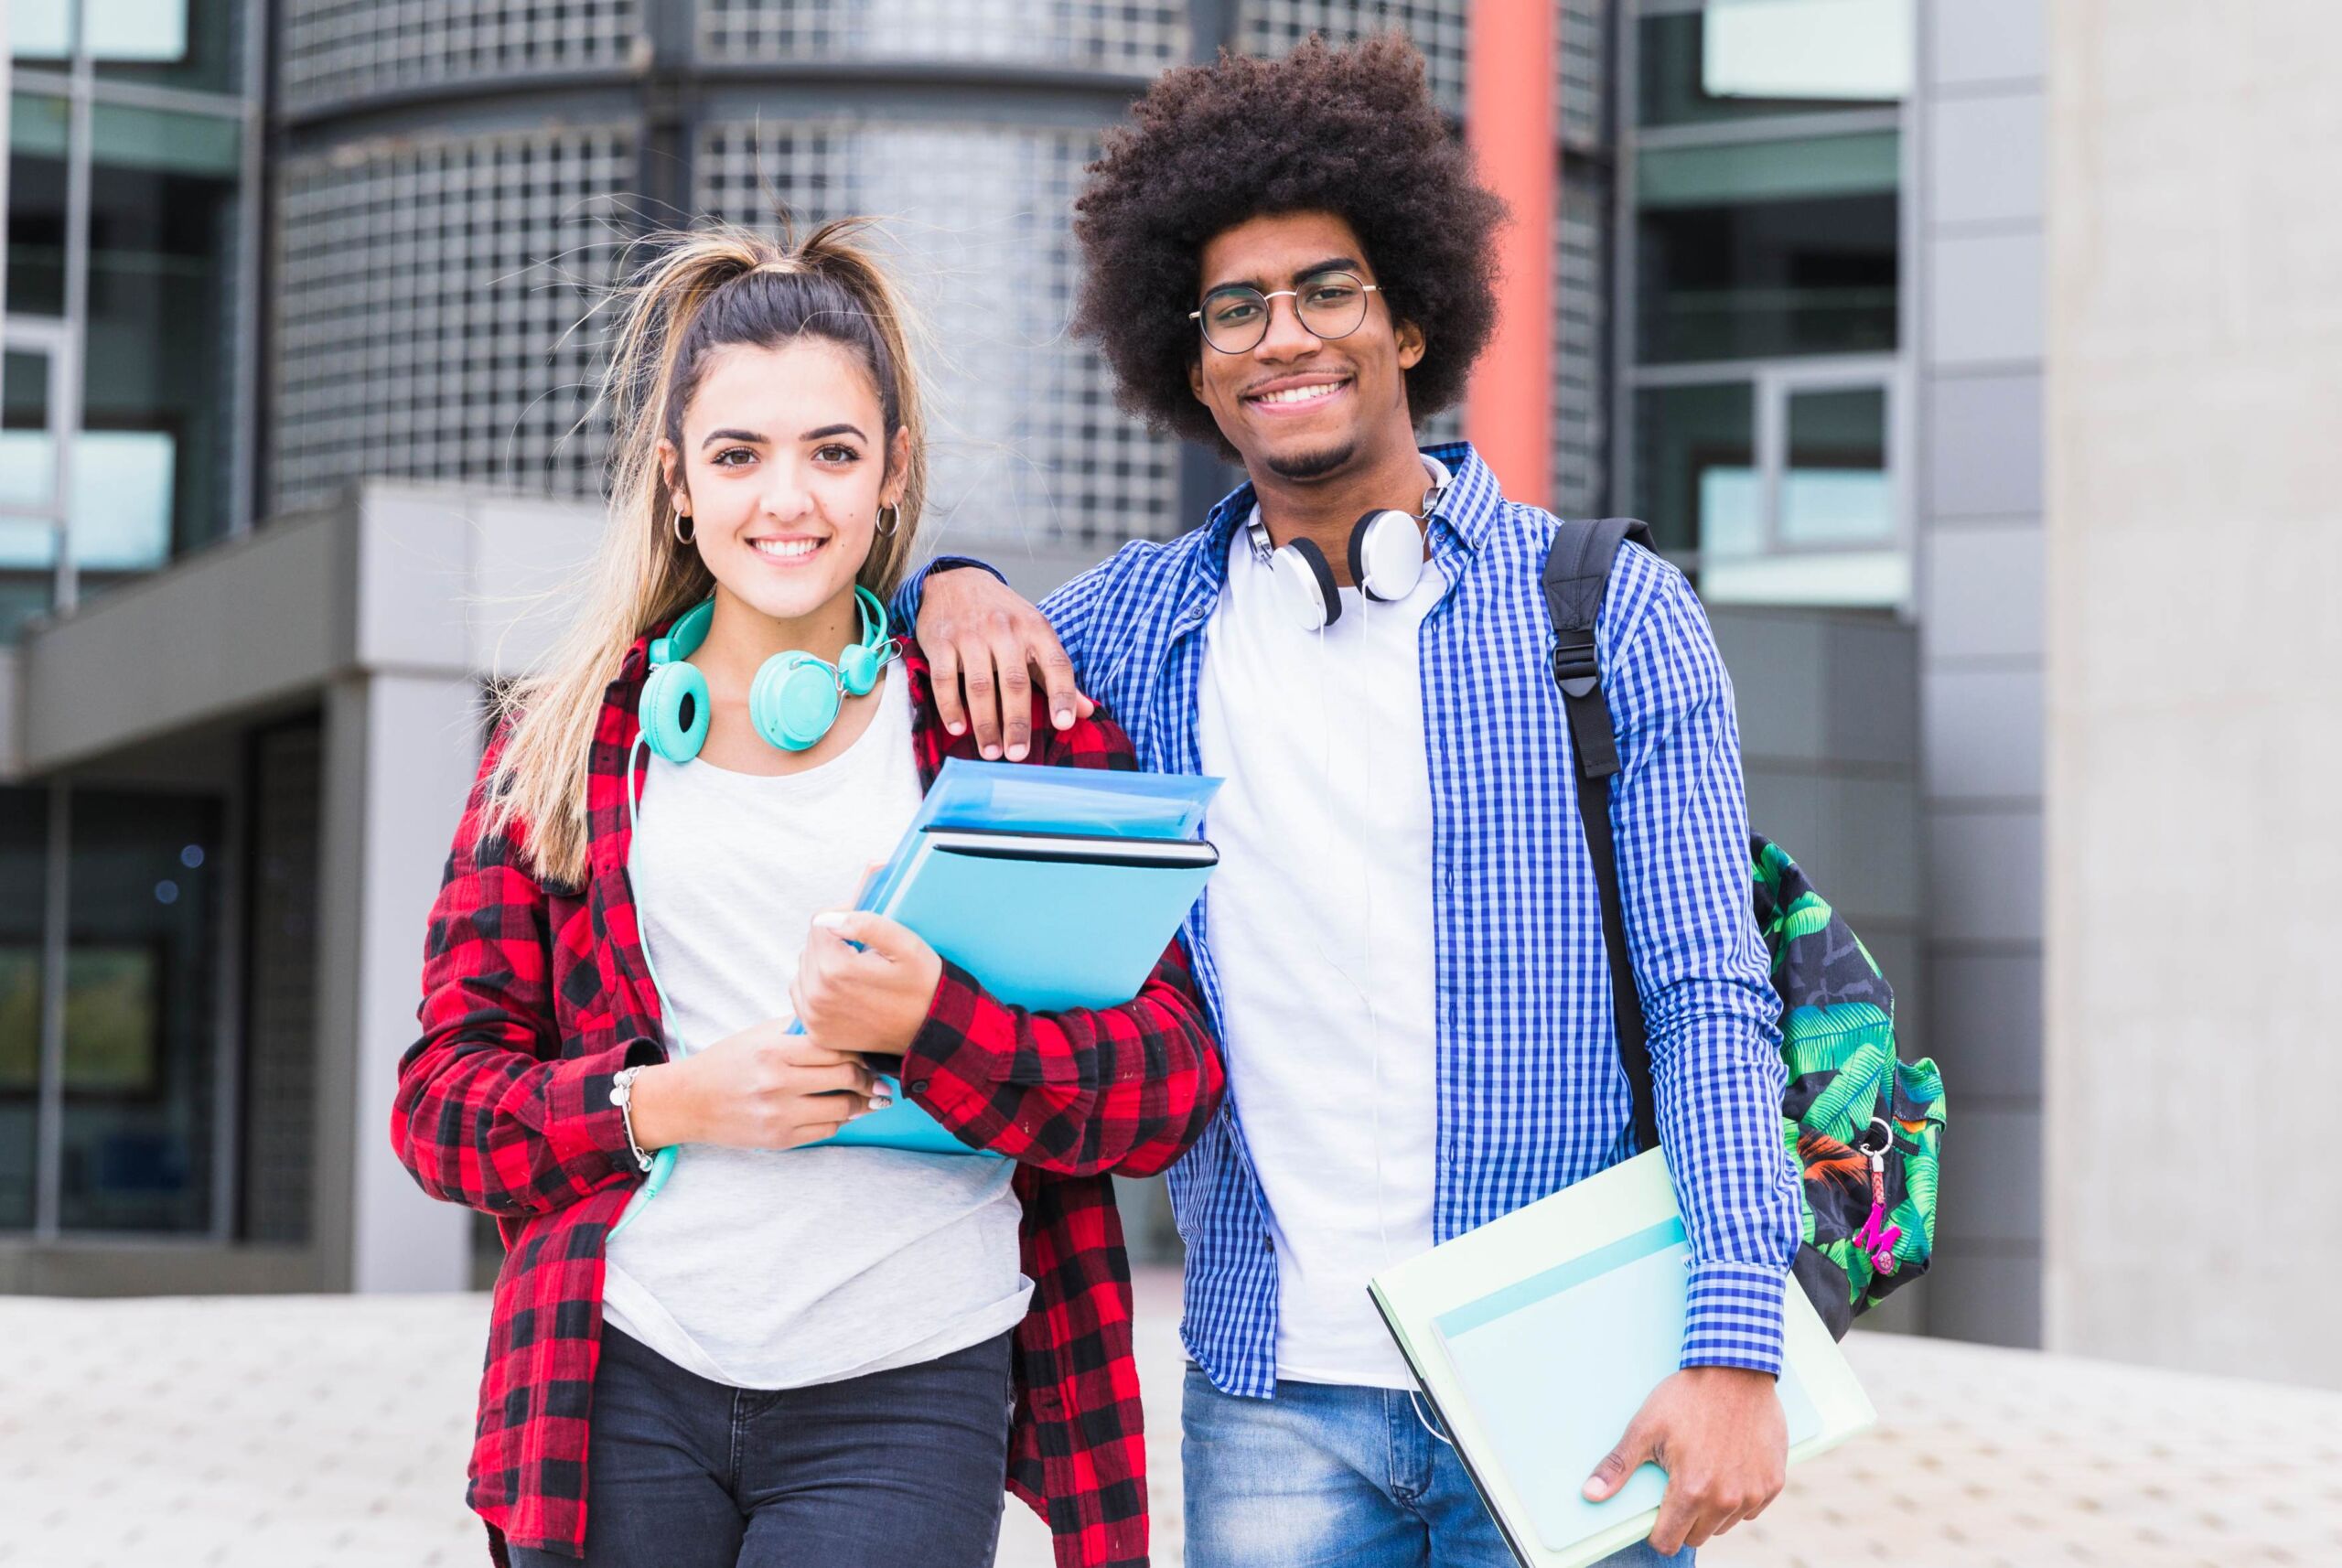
(300, 349)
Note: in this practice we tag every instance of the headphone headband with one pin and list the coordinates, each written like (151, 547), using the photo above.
(793, 699)
(1385, 555)
(1433, 493)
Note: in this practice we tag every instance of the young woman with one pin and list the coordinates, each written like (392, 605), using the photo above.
(819, 1356)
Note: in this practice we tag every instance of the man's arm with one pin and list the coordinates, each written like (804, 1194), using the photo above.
(987, 645)
(1680, 815)
(1682, 821)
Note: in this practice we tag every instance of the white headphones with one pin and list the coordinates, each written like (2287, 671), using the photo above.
(1386, 558)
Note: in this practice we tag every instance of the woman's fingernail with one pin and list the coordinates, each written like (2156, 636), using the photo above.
(992, 753)
(830, 919)
(1016, 754)
(1065, 718)
(957, 729)
(879, 1102)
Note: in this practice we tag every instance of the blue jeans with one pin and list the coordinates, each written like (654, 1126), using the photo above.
(1323, 1474)
(874, 1472)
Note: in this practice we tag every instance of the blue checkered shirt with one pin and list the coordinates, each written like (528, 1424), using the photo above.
(1531, 1094)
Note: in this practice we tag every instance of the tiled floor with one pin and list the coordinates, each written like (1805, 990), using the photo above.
(270, 1432)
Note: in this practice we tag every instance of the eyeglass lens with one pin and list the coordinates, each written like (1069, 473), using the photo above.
(1330, 305)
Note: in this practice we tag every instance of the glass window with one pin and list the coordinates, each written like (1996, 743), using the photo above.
(35, 281)
(141, 1096)
(1743, 58)
(1758, 250)
(149, 478)
(40, 31)
(28, 489)
(24, 851)
(165, 43)
(1771, 492)
(193, 44)
(27, 445)
(1834, 492)
(1695, 468)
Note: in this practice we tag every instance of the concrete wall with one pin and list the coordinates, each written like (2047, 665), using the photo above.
(1830, 746)
(2195, 543)
(1975, 327)
(385, 614)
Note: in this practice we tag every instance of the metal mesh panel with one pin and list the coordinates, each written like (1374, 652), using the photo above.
(1445, 425)
(1581, 64)
(1580, 344)
(1025, 445)
(333, 50)
(1135, 38)
(1438, 28)
(426, 298)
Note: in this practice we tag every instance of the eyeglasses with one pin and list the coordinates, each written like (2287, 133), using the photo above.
(1330, 305)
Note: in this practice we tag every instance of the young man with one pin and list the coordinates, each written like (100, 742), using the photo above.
(1403, 946)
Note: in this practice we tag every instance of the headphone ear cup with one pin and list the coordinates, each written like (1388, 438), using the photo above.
(1308, 584)
(1386, 555)
(858, 669)
(793, 701)
(673, 711)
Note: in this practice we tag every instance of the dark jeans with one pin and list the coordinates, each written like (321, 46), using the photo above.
(880, 1471)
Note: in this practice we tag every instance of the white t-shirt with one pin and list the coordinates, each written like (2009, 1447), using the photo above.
(774, 1268)
(1320, 920)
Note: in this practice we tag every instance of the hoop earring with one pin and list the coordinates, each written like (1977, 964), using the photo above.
(685, 529)
(893, 515)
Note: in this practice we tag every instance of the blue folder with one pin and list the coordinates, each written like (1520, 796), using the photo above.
(1055, 887)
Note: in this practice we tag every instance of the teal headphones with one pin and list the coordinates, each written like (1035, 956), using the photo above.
(793, 701)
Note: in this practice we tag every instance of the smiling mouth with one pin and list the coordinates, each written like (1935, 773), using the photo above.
(785, 549)
(1297, 397)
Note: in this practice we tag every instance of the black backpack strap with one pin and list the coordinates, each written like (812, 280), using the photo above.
(1577, 574)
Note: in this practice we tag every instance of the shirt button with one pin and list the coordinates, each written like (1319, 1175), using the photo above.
(1268, 1244)
(920, 1086)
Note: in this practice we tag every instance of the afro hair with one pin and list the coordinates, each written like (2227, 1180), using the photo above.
(1353, 132)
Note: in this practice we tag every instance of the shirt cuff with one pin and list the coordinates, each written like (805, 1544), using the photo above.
(580, 1121)
(944, 1062)
(1733, 1316)
(952, 563)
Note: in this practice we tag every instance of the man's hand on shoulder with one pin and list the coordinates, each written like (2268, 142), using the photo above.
(1719, 1433)
(987, 645)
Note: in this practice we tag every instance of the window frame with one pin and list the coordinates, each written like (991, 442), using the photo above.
(82, 89)
(1773, 378)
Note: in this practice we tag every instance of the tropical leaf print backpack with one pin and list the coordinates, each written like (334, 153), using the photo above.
(1864, 1127)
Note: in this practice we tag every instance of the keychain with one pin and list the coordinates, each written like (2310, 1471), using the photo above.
(1877, 1238)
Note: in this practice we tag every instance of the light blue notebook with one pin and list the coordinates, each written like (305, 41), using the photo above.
(1537, 1337)
(1554, 1411)
(1046, 922)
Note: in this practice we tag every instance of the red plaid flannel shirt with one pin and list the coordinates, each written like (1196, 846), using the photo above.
(535, 994)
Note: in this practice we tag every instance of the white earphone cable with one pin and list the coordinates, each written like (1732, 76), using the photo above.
(1366, 1000)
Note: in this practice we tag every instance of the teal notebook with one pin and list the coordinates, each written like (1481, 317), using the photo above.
(1538, 1335)
(1055, 887)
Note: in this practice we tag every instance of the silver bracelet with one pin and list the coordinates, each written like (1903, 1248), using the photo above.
(622, 1096)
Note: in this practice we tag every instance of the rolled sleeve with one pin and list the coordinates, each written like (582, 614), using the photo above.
(587, 1132)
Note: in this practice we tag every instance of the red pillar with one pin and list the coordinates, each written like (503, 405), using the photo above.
(1509, 122)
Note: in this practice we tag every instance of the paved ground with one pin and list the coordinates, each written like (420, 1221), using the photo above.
(271, 1432)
